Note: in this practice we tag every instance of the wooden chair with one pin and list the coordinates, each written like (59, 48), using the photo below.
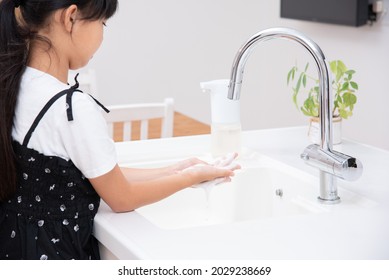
(128, 114)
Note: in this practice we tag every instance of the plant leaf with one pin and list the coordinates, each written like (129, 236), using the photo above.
(333, 67)
(354, 85)
(299, 83)
(305, 112)
(339, 99)
(341, 66)
(338, 68)
(306, 67)
(294, 97)
(289, 75)
(343, 113)
(349, 98)
(287, 80)
(344, 86)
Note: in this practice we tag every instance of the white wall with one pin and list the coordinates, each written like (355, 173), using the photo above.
(154, 49)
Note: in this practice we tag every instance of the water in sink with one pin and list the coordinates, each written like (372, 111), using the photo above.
(258, 191)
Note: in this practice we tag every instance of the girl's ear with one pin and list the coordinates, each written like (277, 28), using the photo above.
(69, 17)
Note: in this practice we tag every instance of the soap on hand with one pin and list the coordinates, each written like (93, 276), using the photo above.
(224, 162)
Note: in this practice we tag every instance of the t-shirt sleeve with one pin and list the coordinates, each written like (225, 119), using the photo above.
(86, 138)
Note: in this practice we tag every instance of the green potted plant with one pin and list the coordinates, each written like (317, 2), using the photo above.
(344, 97)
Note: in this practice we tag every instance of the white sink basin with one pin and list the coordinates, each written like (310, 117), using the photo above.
(262, 189)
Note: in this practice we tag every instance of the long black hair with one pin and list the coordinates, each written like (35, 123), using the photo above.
(16, 32)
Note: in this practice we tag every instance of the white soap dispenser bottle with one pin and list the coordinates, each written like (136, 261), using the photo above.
(225, 118)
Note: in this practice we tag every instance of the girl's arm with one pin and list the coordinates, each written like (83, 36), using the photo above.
(137, 174)
(124, 195)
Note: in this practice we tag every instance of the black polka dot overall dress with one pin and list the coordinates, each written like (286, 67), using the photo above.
(51, 215)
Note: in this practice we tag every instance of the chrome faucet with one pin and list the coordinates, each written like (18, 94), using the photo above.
(330, 163)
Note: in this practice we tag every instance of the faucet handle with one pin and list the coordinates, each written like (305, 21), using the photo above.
(341, 165)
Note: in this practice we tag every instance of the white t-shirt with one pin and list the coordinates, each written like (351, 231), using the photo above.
(85, 140)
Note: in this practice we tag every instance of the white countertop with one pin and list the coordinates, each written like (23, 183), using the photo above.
(354, 234)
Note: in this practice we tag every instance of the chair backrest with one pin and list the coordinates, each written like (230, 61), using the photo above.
(143, 112)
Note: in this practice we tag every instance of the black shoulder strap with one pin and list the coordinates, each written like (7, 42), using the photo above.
(69, 111)
(42, 112)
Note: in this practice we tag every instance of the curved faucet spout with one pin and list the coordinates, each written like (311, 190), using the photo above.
(322, 67)
(329, 162)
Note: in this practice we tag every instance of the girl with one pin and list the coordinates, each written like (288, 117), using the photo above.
(56, 158)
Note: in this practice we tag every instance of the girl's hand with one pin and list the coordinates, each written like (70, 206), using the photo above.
(219, 162)
(223, 169)
(184, 164)
(201, 173)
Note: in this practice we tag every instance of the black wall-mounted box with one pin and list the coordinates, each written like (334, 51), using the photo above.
(344, 12)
